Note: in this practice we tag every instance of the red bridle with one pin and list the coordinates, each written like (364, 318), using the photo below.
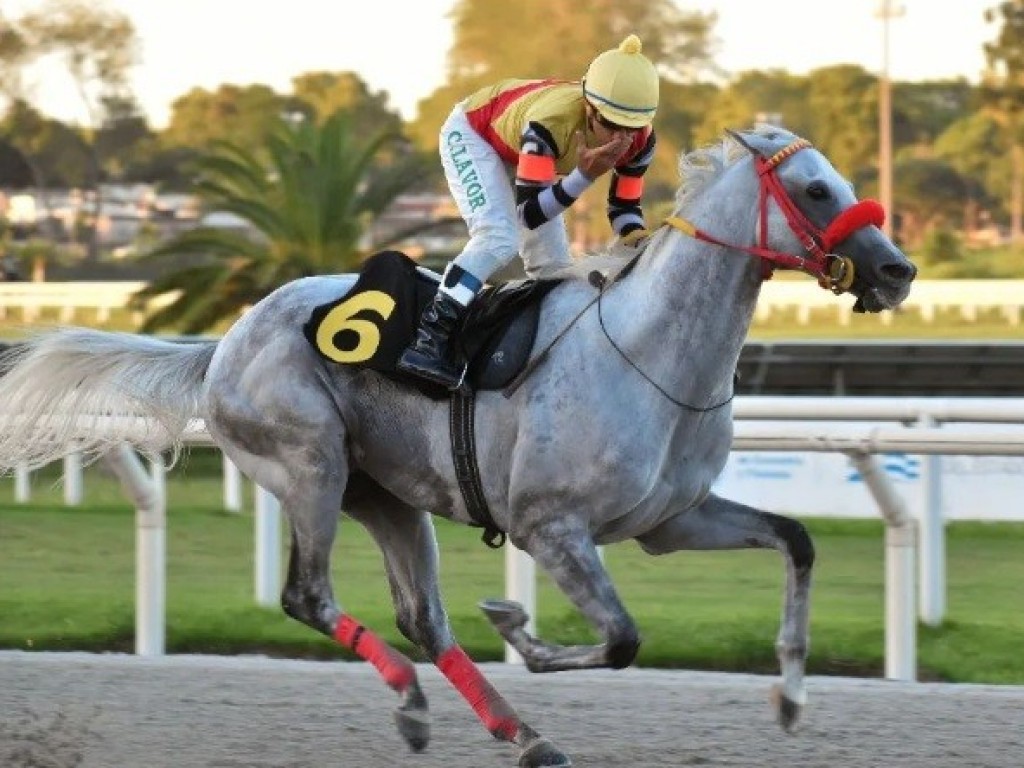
(833, 272)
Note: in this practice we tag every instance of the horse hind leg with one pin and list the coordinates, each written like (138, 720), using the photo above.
(308, 597)
(407, 541)
(718, 524)
(309, 481)
(285, 434)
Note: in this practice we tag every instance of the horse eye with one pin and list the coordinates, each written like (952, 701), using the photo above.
(816, 190)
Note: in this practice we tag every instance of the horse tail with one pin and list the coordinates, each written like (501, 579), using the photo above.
(83, 390)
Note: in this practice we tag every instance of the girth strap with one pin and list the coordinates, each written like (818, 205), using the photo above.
(467, 471)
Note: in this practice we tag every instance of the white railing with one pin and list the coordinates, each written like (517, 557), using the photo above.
(69, 299)
(969, 298)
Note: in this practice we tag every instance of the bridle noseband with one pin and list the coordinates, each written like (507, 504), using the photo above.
(833, 272)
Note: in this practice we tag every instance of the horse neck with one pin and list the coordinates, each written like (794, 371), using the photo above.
(698, 299)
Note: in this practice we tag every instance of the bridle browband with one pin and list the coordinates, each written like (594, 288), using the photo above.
(833, 272)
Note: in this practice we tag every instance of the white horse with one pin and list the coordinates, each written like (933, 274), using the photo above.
(618, 433)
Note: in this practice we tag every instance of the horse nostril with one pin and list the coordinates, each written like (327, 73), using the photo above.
(900, 273)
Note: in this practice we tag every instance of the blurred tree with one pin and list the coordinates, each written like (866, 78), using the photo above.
(98, 48)
(842, 103)
(931, 193)
(307, 197)
(15, 56)
(772, 95)
(1002, 94)
(941, 246)
(15, 168)
(243, 115)
(240, 114)
(124, 139)
(326, 92)
(680, 113)
(975, 147)
(54, 155)
(923, 110)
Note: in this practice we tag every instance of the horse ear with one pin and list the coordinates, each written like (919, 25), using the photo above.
(739, 139)
(763, 142)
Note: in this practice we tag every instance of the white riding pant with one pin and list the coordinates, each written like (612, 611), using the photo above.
(479, 181)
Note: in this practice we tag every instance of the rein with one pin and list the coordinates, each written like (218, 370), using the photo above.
(833, 272)
(648, 379)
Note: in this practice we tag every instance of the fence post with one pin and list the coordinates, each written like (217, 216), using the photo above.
(232, 485)
(147, 491)
(268, 548)
(900, 538)
(73, 479)
(22, 484)
(931, 538)
(521, 586)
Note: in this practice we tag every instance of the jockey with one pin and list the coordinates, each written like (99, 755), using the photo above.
(559, 136)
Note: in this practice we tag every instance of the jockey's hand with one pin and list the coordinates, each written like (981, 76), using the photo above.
(636, 239)
(595, 162)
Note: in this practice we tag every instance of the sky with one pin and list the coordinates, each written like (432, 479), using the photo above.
(400, 46)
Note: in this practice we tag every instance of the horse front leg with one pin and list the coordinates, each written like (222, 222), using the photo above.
(718, 524)
(565, 549)
(406, 538)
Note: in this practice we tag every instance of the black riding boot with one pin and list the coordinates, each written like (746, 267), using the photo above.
(430, 356)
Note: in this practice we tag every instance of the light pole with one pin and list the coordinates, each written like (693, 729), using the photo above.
(886, 12)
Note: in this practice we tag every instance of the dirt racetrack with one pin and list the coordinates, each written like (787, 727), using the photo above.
(115, 711)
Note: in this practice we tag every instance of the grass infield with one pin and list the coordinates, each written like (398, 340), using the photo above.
(67, 582)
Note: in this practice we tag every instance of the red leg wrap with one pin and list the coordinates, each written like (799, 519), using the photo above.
(495, 713)
(397, 671)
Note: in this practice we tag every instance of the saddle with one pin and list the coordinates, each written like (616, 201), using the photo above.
(372, 324)
(376, 320)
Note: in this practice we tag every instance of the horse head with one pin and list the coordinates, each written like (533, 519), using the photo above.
(810, 219)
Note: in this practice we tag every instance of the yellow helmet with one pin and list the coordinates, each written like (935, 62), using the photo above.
(622, 85)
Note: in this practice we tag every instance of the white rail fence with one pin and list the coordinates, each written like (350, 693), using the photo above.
(987, 427)
(70, 300)
(969, 298)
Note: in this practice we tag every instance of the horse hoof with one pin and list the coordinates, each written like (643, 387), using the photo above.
(787, 710)
(414, 726)
(506, 615)
(541, 753)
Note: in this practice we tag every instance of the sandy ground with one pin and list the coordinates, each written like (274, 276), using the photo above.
(114, 711)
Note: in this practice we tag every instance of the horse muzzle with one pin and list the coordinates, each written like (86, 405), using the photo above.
(883, 273)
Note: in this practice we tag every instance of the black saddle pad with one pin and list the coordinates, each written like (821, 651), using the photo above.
(372, 324)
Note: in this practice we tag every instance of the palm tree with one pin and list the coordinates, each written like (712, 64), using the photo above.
(307, 197)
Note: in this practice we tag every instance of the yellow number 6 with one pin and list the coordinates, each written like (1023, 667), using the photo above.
(341, 319)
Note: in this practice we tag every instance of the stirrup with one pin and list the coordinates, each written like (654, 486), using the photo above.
(429, 374)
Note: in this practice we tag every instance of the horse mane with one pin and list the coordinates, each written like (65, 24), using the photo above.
(698, 167)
